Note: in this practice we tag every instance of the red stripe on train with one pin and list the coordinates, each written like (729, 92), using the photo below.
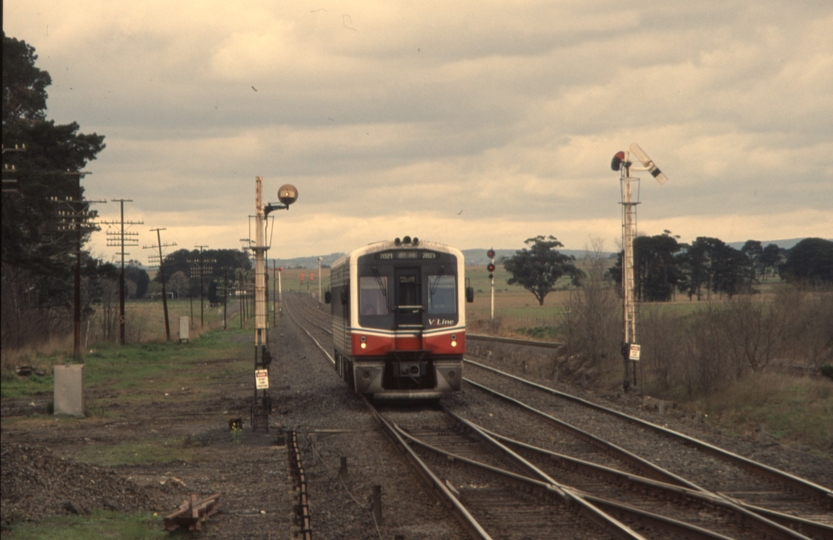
(380, 345)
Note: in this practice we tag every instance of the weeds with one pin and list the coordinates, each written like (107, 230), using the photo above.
(790, 408)
(101, 524)
(236, 433)
(539, 332)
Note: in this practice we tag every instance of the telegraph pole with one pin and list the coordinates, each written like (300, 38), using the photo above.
(225, 296)
(76, 218)
(151, 258)
(125, 238)
(201, 264)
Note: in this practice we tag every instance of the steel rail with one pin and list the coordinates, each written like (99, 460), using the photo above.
(460, 511)
(608, 447)
(796, 523)
(775, 524)
(515, 341)
(590, 510)
(308, 320)
(815, 490)
(541, 486)
(772, 525)
(590, 504)
(317, 344)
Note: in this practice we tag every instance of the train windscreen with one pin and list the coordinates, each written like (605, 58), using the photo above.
(373, 292)
(442, 295)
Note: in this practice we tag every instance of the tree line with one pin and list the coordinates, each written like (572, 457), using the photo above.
(664, 266)
(46, 221)
(45, 218)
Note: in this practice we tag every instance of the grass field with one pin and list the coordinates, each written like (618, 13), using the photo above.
(101, 524)
(146, 369)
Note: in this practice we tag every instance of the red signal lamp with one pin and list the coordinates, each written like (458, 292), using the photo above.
(618, 159)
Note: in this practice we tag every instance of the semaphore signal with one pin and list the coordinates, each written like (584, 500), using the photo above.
(622, 162)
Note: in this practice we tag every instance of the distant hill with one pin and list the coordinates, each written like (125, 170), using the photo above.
(306, 262)
(473, 256)
(784, 244)
(478, 255)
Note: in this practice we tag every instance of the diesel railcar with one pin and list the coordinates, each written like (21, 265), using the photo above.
(399, 319)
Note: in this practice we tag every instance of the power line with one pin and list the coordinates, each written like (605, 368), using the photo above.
(124, 239)
(151, 259)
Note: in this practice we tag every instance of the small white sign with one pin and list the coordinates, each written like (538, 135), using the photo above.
(261, 379)
(634, 355)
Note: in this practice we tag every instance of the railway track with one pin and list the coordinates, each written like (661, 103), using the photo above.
(776, 495)
(577, 481)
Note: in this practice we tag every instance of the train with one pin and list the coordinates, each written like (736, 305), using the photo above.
(399, 318)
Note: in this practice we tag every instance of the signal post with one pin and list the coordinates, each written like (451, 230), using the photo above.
(622, 162)
(491, 268)
(262, 404)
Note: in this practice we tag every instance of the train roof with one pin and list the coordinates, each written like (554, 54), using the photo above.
(404, 243)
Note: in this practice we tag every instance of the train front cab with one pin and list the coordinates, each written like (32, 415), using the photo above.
(405, 337)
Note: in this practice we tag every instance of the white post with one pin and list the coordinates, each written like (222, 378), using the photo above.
(493, 298)
(260, 268)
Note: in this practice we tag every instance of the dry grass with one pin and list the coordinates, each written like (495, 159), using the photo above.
(41, 356)
(795, 410)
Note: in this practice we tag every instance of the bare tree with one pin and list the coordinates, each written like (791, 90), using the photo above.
(753, 333)
(179, 283)
(662, 338)
(590, 324)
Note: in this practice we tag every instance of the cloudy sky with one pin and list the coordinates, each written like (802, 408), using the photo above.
(471, 123)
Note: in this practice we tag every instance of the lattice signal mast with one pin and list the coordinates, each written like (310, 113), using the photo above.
(622, 162)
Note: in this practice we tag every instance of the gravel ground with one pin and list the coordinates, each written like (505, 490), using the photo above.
(250, 472)
(36, 482)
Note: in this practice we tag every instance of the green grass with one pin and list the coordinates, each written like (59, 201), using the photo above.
(100, 524)
(149, 451)
(142, 370)
(18, 387)
(131, 376)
